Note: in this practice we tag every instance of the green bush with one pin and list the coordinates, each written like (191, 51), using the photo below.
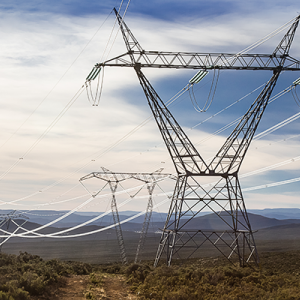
(28, 275)
(194, 281)
(96, 279)
(5, 296)
(112, 269)
(89, 295)
(33, 283)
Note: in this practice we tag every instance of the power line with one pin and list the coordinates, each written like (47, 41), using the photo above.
(56, 84)
(166, 194)
(53, 123)
(171, 101)
(263, 186)
(55, 235)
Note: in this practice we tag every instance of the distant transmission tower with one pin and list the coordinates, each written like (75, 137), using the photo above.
(183, 235)
(5, 221)
(113, 180)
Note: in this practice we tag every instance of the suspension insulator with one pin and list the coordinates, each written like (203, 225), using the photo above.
(93, 74)
(297, 82)
(198, 77)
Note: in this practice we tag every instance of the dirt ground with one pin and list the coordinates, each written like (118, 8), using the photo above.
(115, 288)
(79, 287)
(74, 288)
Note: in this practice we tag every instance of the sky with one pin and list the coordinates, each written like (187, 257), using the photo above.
(48, 141)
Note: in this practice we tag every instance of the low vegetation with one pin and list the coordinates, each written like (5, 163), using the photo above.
(25, 276)
(278, 278)
(95, 286)
(29, 277)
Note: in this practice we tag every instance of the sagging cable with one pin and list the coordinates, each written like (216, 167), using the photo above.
(196, 79)
(94, 99)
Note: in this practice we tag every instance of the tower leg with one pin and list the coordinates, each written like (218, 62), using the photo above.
(115, 213)
(145, 227)
(227, 228)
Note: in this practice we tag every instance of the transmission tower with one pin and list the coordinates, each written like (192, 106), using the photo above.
(182, 234)
(113, 180)
(5, 221)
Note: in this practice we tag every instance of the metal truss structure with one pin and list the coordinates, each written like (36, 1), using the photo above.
(5, 220)
(183, 234)
(113, 180)
(203, 61)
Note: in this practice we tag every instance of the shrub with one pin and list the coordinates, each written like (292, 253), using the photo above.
(96, 279)
(27, 274)
(111, 269)
(195, 281)
(80, 268)
(89, 295)
(5, 296)
(33, 283)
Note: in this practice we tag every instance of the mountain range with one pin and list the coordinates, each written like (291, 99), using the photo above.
(204, 222)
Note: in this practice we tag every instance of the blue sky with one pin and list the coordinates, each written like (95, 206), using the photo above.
(170, 10)
(165, 10)
(48, 48)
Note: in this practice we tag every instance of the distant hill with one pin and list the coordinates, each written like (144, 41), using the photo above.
(204, 222)
(213, 222)
(45, 216)
(108, 234)
(268, 229)
(277, 213)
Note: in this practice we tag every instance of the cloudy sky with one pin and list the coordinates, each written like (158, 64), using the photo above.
(49, 139)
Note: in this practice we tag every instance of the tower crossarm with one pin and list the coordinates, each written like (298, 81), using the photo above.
(118, 177)
(205, 61)
(193, 60)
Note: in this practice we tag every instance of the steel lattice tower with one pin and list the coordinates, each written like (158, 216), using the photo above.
(5, 221)
(114, 179)
(182, 234)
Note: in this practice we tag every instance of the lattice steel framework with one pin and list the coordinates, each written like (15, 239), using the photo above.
(5, 220)
(182, 234)
(113, 179)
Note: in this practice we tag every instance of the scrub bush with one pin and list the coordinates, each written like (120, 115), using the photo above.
(193, 280)
(26, 275)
